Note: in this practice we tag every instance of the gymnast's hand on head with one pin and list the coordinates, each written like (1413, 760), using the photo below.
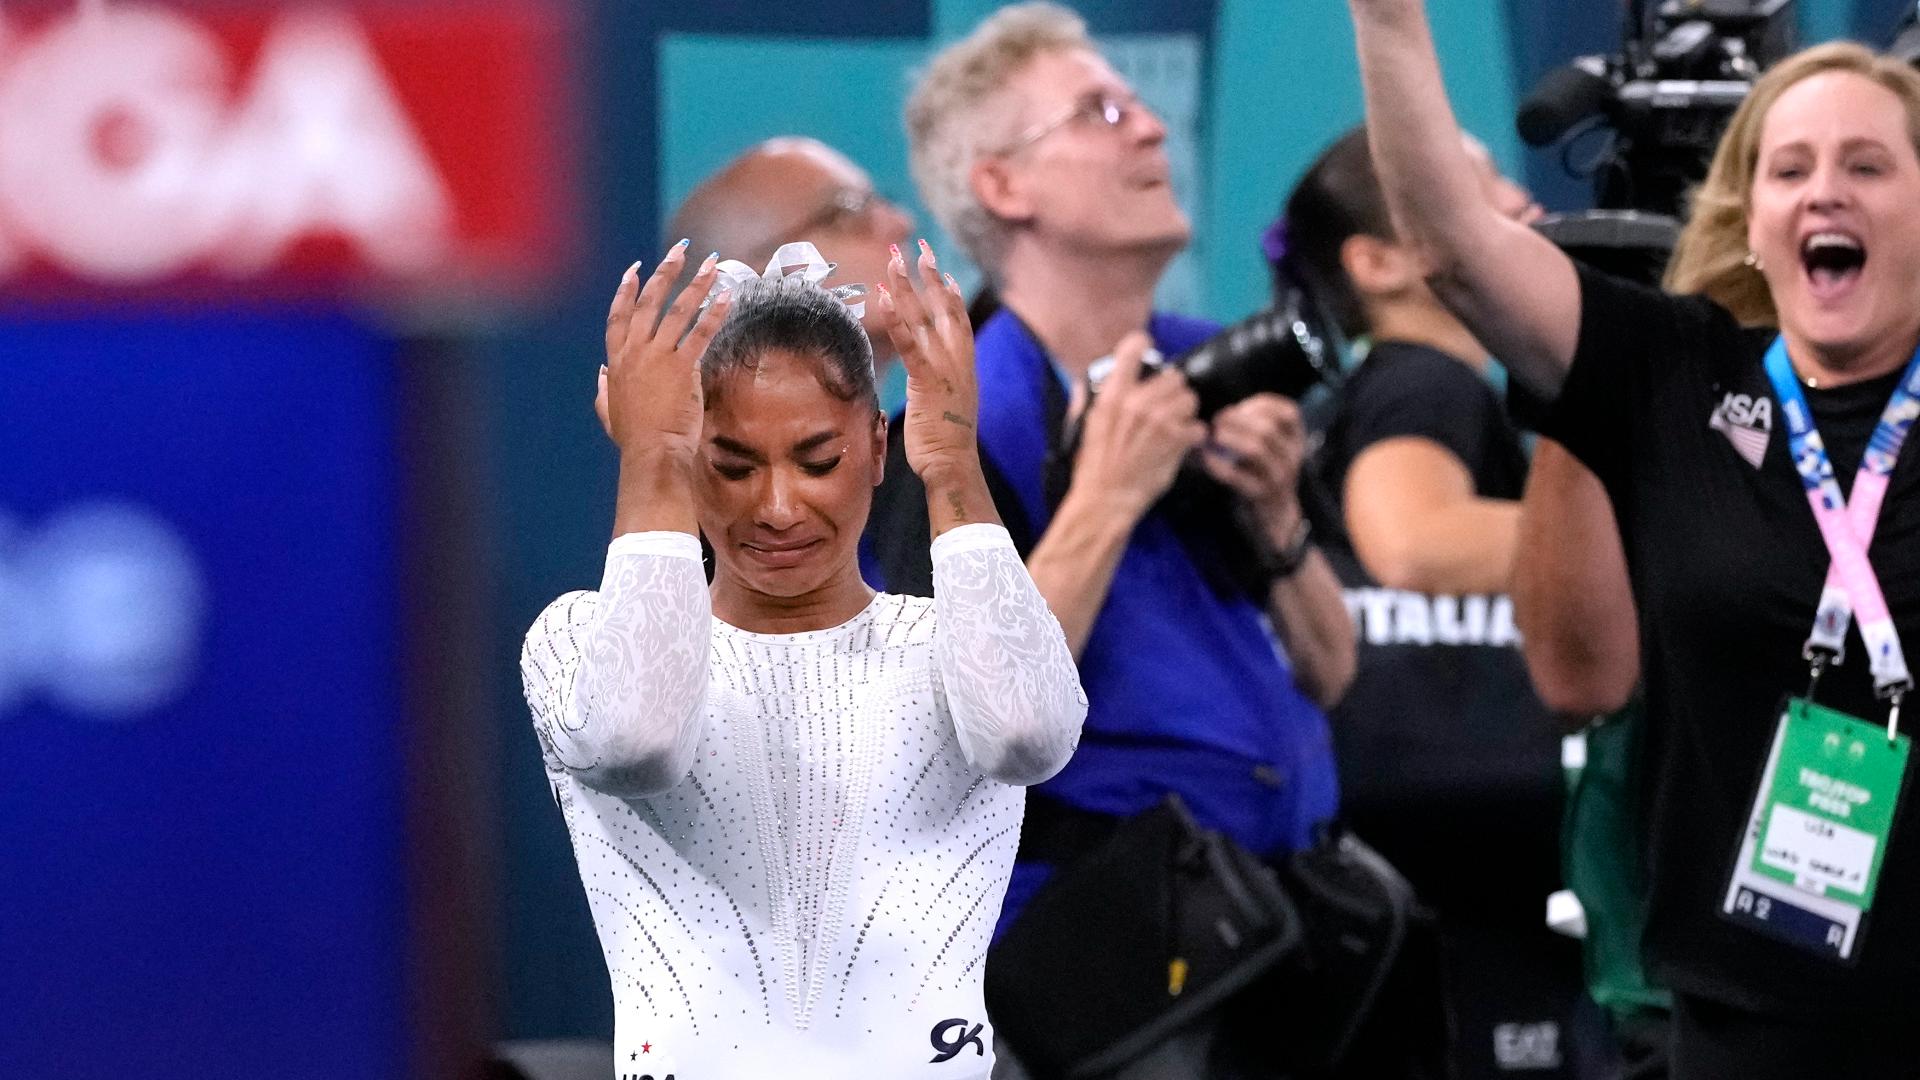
(927, 323)
(650, 397)
(650, 400)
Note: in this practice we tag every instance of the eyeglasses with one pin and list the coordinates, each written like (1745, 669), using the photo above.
(1109, 110)
(868, 211)
(846, 203)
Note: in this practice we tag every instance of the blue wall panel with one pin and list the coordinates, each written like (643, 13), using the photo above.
(200, 810)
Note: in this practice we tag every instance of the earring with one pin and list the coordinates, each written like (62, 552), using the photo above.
(1753, 261)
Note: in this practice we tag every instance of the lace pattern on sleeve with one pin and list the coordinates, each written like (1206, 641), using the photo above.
(1009, 679)
(617, 681)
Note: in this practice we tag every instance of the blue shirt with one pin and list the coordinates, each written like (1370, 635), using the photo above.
(1187, 690)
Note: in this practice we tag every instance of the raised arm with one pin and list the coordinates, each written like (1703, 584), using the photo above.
(927, 323)
(617, 681)
(1009, 680)
(1511, 286)
(1571, 596)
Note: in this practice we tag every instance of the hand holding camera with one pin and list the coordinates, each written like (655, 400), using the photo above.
(1256, 449)
(1137, 430)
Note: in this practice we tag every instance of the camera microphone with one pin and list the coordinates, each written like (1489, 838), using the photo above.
(1563, 98)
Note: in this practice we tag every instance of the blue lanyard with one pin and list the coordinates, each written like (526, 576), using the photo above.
(1848, 529)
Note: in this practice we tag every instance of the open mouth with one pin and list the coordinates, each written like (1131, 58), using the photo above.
(1833, 262)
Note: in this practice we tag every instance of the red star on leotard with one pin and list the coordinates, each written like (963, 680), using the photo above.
(646, 1048)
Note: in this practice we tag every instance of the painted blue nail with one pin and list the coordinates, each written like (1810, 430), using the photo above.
(684, 241)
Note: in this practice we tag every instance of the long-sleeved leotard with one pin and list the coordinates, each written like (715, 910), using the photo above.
(795, 846)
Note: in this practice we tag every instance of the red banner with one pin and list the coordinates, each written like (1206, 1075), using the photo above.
(428, 147)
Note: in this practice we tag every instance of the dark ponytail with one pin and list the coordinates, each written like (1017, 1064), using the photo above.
(1338, 197)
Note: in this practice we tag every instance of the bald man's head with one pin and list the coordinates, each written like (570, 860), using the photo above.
(742, 209)
(790, 189)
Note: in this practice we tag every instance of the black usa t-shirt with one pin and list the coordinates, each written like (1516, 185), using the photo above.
(1440, 740)
(1668, 403)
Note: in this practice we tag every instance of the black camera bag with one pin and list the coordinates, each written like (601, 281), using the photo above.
(1166, 929)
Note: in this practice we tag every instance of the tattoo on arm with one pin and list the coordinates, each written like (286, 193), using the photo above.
(956, 418)
(957, 505)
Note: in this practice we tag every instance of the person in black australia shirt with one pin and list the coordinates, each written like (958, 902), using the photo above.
(1448, 762)
(1808, 222)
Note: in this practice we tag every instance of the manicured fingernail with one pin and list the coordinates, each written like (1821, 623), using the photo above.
(895, 249)
(684, 241)
(632, 270)
(951, 284)
(925, 250)
(885, 296)
(712, 257)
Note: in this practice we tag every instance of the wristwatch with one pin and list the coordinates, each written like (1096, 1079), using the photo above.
(1284, 562)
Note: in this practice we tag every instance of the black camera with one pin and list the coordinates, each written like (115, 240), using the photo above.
(1666, 96)
(1287, 349)
(1281, 350)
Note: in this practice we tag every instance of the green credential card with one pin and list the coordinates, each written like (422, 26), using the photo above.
(1830, 804)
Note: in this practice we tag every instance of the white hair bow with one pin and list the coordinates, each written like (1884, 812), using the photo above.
(796, 260)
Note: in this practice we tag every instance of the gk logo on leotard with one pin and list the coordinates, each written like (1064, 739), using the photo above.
(951, 1049)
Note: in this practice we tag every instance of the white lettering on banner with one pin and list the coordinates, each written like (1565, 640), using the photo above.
(345, 159)
(101, 610)
(106, 124)
(1399, 617)
(123, 159)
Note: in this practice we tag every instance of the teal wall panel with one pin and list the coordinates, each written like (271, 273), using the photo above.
(721, 94)
(1824, 20)
(1287, 84)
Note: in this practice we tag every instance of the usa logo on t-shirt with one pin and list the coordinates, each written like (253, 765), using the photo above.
(1747, 422)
